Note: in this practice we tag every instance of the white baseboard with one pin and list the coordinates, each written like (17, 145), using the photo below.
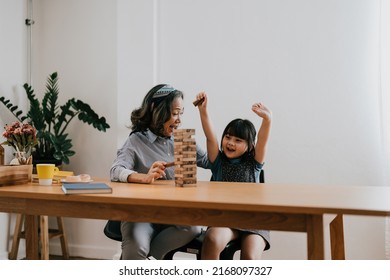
(90, 252)
(3, 255)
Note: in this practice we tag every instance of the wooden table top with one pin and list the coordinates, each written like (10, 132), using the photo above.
(267, 197)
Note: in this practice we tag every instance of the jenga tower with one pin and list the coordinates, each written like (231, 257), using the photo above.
(185, 157)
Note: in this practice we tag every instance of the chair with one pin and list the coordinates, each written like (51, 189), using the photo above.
(45, 233)
(195, 246)
(112, 230)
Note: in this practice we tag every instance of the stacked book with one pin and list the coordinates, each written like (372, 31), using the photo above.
(80, 188)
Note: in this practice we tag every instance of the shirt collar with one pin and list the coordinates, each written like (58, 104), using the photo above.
(153, 137)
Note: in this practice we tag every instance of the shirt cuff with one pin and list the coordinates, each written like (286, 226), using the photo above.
(124, 174)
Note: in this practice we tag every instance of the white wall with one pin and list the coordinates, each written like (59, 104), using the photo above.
(13, 74)
(78, 40)
(385, 97)
(315, 63)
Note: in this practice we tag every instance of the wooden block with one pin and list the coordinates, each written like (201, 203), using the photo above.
(192, 159)
(187, 185)
(188, 139)
(198, 102)
(189, 165)
(2, 155)
(189, 182)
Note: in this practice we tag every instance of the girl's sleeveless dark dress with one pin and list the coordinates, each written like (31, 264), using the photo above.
(244, 169)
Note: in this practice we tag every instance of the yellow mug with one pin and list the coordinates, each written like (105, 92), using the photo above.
(46, 172)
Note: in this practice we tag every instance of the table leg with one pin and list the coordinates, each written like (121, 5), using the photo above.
(63, 239)
(315, 237)
(13, 255)
(44, 232)
(31, 234)
(336, 228)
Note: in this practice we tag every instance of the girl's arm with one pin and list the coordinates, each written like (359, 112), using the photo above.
(211, 138)
(262, 137)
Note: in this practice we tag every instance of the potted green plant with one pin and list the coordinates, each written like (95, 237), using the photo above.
(51, 120)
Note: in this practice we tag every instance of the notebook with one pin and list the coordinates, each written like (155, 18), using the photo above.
(80, 188)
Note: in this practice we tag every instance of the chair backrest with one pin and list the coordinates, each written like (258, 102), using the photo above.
(113, 230)
(261, 179)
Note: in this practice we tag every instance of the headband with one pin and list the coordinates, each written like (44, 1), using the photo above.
(164, 91)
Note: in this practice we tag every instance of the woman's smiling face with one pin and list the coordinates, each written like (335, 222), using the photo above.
(175, 120)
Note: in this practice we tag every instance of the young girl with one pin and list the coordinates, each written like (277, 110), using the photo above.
(240, 159)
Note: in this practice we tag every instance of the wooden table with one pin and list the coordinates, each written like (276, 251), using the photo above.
(286, 207)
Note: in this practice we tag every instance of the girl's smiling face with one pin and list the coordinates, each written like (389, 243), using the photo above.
(234, 147)
(175, 120)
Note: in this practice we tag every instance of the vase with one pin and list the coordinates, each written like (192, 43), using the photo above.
(21, 158)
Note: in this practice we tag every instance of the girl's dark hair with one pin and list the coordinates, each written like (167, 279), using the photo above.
(243, 129)
(154, 112)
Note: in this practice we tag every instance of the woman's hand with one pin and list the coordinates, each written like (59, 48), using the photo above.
(156, 171)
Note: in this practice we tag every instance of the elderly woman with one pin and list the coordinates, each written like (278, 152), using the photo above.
(143, 159)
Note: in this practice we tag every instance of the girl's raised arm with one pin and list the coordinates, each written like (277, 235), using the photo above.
(211, 138)
(262, 137)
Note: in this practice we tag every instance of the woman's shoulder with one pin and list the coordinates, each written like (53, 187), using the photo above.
(142, 137)
(136, 136)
